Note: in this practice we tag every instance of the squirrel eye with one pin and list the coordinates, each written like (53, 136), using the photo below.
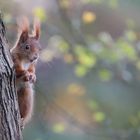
(27, 47)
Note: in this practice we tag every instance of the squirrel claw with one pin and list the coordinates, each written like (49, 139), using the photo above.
(32, 78)
(26, 76)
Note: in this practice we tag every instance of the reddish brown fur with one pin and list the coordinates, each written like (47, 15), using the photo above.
(36, 28)
(26, 100)
(26, 52)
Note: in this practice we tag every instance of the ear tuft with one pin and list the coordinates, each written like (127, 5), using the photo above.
(36, 31)
(23, 24)
(23, 27)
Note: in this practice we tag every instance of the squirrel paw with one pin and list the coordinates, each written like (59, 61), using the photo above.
(26, 76)
(32, 78)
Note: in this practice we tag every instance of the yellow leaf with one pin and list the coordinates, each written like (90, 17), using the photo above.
(58, 128)
(87, 60)
(40, 13)
(80, 70)
(88, 17)
(99, 116)
(76, 89)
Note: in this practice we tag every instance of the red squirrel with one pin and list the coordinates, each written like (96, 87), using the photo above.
(25, 54)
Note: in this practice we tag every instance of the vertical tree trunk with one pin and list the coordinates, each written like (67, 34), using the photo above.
(9, 111)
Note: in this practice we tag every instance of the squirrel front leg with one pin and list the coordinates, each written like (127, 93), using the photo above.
(21, 74)
(31, 71)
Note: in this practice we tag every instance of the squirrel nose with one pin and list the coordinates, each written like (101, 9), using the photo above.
(35, 57)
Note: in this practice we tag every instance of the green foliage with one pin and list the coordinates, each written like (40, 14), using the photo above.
(80, 70)
(99, 116)
(40, 13)
(109, 51)
(63, 46)
(84, 56)
(126, 50)
(58, 128)
(105, 75)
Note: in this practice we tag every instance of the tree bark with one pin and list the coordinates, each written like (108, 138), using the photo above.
(9, 110)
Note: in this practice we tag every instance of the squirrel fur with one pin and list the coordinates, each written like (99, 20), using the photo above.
(25, 54)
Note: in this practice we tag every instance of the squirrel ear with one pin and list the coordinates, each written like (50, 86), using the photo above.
(23, 36)
(23, 24)
(36, 30)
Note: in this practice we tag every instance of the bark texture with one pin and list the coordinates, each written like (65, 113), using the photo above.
(9, 111)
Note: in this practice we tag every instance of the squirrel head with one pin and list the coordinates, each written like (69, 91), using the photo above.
(28, 45)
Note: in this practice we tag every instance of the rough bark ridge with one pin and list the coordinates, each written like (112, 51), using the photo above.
(9, 111)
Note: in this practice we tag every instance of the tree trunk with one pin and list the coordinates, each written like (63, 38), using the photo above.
(9, 111)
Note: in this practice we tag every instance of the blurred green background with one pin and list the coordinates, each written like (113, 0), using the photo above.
(88, 75)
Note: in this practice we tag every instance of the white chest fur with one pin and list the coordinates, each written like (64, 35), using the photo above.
(26, 65)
